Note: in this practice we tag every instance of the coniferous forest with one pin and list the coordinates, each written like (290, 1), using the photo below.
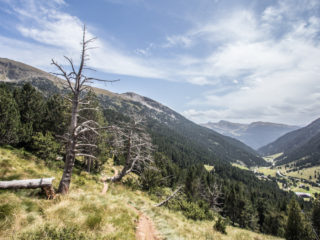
(36, 122)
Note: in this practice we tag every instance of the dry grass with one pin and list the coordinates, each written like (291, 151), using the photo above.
(85, 211)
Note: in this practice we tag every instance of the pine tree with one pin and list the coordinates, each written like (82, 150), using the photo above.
(295, 224)
(31, 106)
(9, 117)
(56, 115)
(316, 216)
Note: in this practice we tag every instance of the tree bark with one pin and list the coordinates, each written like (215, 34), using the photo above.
(78, 85)
(27, 183)
(64, 184)
(127, 165)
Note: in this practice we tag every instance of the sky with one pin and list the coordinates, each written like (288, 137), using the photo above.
(210, 60)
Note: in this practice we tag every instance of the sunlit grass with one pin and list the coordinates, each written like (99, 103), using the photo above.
(240, 166)
(26, 214)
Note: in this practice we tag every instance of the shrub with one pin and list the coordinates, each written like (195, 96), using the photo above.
(221, 225)
(192, 210)
(94, 220)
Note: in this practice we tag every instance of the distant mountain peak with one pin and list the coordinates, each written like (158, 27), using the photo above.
(255, 134)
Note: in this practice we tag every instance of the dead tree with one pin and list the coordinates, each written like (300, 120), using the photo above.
(77, 84)
(213, 194)
(43, 183)
(134, 143)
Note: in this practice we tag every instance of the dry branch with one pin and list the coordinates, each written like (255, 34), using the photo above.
(170, 197)
(132, 141)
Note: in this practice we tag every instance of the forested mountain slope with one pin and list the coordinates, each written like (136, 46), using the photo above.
(182, 139)
(181, 150)
(302, 144)
(189, 141)
(255, 135)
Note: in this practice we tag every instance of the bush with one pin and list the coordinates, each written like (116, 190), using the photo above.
(192, 210)
(221, 225)
(94, 220)
(54, 233)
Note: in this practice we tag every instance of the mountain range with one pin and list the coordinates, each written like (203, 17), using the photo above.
(301, 146)
(255, 135)
(184, 141)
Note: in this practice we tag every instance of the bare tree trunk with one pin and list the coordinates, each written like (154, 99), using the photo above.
(64, 184)
(127, 165)
(76, 140)
(43, 183)
(132, 140)
(89, 164)
(27, 183)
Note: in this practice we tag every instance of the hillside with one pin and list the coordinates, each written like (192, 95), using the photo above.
(255, 135)
(195, 143)
(85, 213)
(300, 146)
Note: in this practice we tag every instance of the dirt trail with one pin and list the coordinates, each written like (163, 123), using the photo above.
(105, 184)
(145, 227)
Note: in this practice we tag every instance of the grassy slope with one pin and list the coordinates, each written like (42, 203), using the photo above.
(26, 212)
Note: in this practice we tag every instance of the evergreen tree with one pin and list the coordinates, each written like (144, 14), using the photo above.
(56, 115)
(295, 224)
(31, 106)
(9, 117)
(45, 146)
(316, 216)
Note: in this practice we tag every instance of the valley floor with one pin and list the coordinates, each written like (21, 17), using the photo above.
(86, 213)
(291, 179)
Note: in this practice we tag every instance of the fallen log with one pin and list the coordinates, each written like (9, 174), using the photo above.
(170, 197)
(44, 183)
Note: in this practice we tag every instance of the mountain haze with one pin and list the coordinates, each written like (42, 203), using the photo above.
(170, 130)
(255, 135)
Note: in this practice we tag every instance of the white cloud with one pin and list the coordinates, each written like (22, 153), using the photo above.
(177, 40)
(48, 26)
(198, 80)
(257, 65)
(29, 53)
(279, 73)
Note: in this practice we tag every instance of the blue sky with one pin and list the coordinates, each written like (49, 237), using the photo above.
(236, 60)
